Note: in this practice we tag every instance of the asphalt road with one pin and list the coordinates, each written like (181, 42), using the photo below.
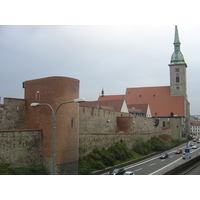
(157, 166)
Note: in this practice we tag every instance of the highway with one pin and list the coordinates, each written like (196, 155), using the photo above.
(157, 166)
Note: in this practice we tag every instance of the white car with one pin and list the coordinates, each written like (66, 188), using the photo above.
(194, 147)
(129, 173)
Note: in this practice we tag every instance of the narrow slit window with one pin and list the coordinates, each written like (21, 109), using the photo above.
(72, 122)
(37, 95)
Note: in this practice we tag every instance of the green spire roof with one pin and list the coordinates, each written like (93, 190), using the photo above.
(177, 56)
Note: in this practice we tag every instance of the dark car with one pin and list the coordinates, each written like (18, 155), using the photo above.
(117, 172)
(163, 156)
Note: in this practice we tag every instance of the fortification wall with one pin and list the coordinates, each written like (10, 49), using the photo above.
(20, 147)
(95, 120)
(12, 114)
(90, 141)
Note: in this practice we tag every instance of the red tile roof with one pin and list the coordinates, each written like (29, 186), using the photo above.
(158, 98)
(195, 123)
(138, 107)
(111, 97)
(115, 105)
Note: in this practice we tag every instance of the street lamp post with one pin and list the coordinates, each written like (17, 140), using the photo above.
(54, 113)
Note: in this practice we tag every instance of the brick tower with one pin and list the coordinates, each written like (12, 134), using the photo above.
(55, 90)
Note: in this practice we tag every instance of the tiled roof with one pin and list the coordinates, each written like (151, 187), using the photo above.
(115, 105)
(159, 99)
(138, 107)
(111, 97)
(195, 123)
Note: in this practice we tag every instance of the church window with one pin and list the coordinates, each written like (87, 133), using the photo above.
(177, 78)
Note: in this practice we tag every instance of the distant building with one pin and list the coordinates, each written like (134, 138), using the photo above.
(195, 128)
(164, 101)
(114, 105)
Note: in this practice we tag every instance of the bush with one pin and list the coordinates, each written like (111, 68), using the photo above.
(157, 144)
(108, 158)
(100, 158)
(7, 169)
(142, 147)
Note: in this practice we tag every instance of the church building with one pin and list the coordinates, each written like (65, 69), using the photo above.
(164, 101)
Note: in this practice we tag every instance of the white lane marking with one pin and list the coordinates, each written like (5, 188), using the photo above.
(141, 163)
(162, 160)
(165, 166)
(171, 156)
(152, 164)
(138, 170)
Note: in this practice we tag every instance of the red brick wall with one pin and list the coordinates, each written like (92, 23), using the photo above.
(54, 90)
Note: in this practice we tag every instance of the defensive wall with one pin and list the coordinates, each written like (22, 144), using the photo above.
(13, 114)
(90, 141)
(97, 128)
(103, 128)
(21, 148)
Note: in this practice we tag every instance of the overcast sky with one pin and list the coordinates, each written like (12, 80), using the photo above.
(108, 57)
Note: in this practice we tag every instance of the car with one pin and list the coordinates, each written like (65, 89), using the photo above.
(163, 156)
(179, 151)
(198, 141)
(129, 173)
(194, 147)
(191, 144)
(117, 172)
(185, 155)
(195, 139)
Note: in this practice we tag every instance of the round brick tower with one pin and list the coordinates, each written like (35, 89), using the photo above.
(54, 91)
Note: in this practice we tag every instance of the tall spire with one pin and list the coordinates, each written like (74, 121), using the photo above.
(102, 92)
(176, 37)
(177, 56)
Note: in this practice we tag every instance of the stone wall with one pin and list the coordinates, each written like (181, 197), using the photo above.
(95, 120)
(20, 147)
(12, 114)
(88, 142)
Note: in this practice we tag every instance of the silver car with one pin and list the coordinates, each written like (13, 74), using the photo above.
(184, 155)
(129, 173)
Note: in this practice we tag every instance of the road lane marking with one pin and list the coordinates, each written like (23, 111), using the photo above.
(165, 166)
(171, 156)
(141, 163)
(138, 170)
(152, 164)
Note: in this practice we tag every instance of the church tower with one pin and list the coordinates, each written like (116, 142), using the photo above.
(178, 84)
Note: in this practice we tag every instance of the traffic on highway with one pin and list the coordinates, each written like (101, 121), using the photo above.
(163, 163)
